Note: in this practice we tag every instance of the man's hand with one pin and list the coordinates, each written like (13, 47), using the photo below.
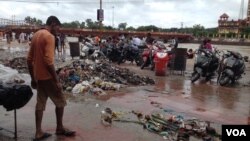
(58, 88)
(33, 84)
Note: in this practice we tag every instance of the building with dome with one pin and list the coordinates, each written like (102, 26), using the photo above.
(234, 27)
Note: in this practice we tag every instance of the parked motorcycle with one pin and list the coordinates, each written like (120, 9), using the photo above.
(114, 53)
(130, 54)
(149, 54)
(232, 67)
(87, 49)
(205, 65)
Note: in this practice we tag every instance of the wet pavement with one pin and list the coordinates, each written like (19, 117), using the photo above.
(204, 100)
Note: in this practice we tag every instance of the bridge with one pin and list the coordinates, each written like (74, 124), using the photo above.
(7, 22)
(85, 32)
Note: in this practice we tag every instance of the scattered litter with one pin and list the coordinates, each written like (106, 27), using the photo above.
(165, 92)
(175, 127)
(150, 90)
(153, 96)
(18, 63)
(156, 104)
(97, 105)
(165, 138)
(106, 117)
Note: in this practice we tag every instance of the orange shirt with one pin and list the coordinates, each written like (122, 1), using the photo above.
(41, 54)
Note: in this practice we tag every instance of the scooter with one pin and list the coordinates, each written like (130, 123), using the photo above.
(205, 64)
(148, 56)
(232, 67)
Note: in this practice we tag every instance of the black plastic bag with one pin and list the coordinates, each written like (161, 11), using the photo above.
(15, 96)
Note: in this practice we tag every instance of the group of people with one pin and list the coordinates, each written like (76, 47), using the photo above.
(25, 37)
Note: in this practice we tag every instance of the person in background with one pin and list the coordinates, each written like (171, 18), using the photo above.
(175, 42)
(208, 45)
(203, 44)
(97, 40)
(136, 42)
(149, 39)
(62, 41)
(80, 38)
(9, 36)
(190, 54)
(58, 47)
(40, 62)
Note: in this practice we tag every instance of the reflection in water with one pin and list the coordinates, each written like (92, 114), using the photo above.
(204, 94)
(215, 95)
(187, 86)
(228, 97)
(160, 84)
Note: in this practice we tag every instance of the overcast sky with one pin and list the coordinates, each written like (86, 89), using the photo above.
(161, 13)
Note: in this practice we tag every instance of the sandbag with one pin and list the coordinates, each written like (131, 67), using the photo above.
(14, 96)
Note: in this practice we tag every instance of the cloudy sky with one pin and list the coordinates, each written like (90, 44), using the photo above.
(162, 13)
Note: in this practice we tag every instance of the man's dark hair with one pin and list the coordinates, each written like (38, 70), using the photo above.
(53, 19)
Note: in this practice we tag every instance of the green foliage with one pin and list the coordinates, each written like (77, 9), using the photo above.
(33, 21)
(122, 26)
(92, 25)
(130, 28)
(108, 28)
(197, 30)
(150, 28)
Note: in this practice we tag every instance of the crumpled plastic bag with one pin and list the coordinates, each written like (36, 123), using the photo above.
(6, 73)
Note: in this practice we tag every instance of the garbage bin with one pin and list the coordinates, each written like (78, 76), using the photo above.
(180, 59)
(161, 60)
(74, 49)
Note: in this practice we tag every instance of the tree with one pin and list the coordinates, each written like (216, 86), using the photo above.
(108, 27)
(198, 30)
(73, 24)
(82, 25)
(122, 26)
(39, 22)
(33, 21)
(131, 28)
(27, 19)
(89, 23)
(150, 28)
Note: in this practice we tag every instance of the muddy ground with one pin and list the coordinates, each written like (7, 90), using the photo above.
(174, 92)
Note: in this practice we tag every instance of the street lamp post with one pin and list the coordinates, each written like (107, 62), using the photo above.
(113, 16)
(100, 21)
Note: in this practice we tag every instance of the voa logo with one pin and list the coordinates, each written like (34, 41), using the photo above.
(236, 132)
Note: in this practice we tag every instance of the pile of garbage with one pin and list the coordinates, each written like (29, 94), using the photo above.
(172, 128)
(18, 63)
(83, 76)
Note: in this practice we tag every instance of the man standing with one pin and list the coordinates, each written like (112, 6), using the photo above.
(40, 62)
(149, 39)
